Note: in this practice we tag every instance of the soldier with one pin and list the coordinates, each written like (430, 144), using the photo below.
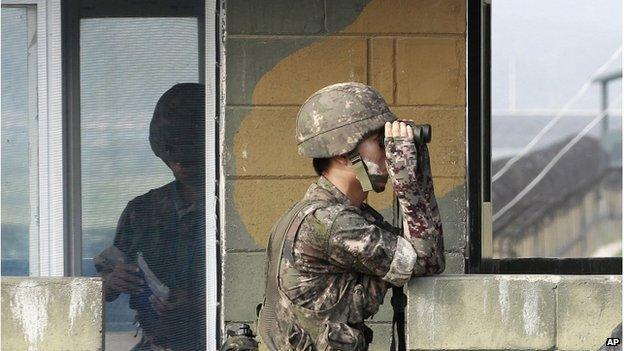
(166, 226)
(331, 258)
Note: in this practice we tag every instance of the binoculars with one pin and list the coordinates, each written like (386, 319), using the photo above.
(422, 133)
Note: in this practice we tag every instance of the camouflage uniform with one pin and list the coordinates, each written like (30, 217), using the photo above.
(330, 263)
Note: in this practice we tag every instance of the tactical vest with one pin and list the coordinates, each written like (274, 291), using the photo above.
(283, 235)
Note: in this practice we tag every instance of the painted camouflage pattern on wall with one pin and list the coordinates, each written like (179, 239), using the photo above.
(261, 129)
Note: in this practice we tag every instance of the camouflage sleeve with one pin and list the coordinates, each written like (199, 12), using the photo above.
(376, 289)
(357, 244)
(429, 194)
(410, 172)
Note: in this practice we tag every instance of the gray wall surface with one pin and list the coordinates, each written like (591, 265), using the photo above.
(52, 314)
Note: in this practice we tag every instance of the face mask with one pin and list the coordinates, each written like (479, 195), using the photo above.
(376, 176)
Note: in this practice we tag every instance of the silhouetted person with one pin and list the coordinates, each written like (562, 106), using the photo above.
(166, 226)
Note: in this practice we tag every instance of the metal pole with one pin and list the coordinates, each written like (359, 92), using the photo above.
(604, 81)
(604, 105)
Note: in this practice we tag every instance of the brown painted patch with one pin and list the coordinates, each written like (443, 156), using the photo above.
(265, 144)
(448, 145)
(382, 67)
(430, 71)
(261, 202)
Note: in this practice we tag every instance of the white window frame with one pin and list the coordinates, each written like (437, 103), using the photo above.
(46, 247)
(212, 179)
(214, 188)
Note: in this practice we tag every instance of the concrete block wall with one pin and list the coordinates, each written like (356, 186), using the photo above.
(52, 314)
(513, 312)
(278, 53)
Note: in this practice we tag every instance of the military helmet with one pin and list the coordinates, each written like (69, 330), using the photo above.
(177, 128)
(336, 118)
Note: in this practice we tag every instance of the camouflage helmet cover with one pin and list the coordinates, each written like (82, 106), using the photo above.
(176, 131)
(336, 118)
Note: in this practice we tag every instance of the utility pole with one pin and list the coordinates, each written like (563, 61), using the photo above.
(604, 81)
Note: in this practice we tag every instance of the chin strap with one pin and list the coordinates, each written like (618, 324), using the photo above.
(360, 170)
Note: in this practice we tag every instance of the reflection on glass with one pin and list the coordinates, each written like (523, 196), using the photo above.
(142, 158)
(562, 196)
(16, 142)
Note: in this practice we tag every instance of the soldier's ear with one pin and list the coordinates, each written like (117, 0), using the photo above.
(343, 160)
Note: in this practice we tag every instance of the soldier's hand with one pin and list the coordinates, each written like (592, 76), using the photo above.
(399, 129)
(123, 279)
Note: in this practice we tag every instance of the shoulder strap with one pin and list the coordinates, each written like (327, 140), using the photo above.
(378, 217)
(267, 319)
(398, 301)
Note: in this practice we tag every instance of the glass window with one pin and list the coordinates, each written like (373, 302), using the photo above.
(126, 64)
(19, 139)
(556, 128)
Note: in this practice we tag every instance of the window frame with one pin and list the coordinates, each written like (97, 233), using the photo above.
(73, 11)
(209, 22)
(46, 250)
(479, 173)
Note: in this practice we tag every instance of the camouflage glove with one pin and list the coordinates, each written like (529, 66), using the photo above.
(425, 178)
(410, 172)
(402, 165)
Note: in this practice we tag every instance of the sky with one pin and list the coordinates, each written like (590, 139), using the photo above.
(556, 46)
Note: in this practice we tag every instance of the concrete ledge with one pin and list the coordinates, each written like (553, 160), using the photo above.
(382, 336)
(517, 312)
(455, 263)
(587, 311)
(52, 314)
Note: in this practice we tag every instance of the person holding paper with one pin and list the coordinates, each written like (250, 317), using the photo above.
(158, 255)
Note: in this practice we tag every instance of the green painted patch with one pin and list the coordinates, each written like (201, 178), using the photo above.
(260, 17)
